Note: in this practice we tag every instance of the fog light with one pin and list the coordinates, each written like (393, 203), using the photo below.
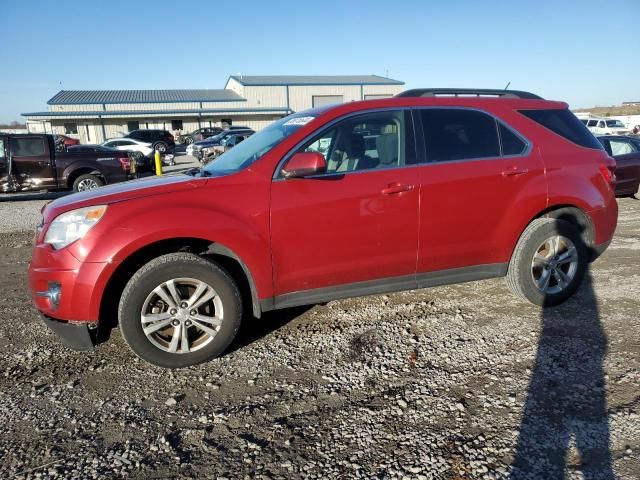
(53, 293)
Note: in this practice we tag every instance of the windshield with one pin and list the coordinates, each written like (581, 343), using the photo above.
(251, 149)
(615, 123)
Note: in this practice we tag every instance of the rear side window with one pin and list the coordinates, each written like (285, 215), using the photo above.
(455, 134)
(565, 124)
(27, 147)
(511, 143)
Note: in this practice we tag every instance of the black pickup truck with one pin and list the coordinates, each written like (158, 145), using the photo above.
(30, 162)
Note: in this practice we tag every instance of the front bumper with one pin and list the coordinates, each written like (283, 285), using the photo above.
(76, 336)
(79, 284)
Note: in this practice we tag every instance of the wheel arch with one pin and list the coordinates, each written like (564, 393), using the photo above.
(569, 213)
(221, 254)
(73, 174)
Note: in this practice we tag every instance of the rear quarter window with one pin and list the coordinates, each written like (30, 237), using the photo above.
(565, 124)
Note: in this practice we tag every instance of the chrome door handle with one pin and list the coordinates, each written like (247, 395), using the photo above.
(512, 171)
(396, 188)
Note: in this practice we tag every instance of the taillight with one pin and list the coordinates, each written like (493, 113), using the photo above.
(125, 163)
(608, 171)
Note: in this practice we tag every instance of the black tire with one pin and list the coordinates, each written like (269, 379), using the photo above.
(178, 266)
(520, 276)
(160, 147)
(86, 182)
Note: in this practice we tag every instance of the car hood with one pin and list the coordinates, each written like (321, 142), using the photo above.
(119, 192)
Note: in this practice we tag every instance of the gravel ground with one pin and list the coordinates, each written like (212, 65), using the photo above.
(458, 382)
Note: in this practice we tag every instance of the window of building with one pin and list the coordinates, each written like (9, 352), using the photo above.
(565, 124)
(133, 125)
(456, 134)
(370, 141)
(511, 143)
(320, 100)
(27, 147)
(176, 124)
(71, 128)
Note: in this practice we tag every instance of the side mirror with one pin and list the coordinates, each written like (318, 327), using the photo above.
(304, 164)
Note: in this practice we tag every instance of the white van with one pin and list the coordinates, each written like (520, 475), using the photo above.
(606, 126)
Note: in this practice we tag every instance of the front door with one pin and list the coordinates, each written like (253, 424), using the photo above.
(358, 222)
(478, 173)
(31, 162)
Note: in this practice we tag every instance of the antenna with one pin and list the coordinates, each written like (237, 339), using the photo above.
(508, 83)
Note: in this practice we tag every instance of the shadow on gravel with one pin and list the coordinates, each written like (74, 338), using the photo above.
(566, 400)
(253, 329)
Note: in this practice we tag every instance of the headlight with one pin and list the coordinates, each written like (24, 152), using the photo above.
(71, 226)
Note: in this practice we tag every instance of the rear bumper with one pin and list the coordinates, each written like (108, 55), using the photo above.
(76, 336)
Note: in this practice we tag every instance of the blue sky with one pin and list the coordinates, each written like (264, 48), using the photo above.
(584, 52)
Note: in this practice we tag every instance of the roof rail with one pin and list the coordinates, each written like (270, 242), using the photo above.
(468, 92)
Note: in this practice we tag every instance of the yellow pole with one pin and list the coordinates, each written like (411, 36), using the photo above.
(158, 164)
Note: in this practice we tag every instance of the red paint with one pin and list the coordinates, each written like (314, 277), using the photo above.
(300, 234)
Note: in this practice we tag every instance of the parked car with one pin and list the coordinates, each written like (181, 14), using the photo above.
(142, 149)
(200, 134)
(160, 140)
(66, 140)
(447, 189)
(607, 126)
(226, 144)
(31, 162)
(195, 149)
(626, 152)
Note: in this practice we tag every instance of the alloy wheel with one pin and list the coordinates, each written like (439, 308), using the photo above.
(182, 315)
(554, 264)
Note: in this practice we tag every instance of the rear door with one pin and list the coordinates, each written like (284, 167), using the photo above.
(477, 172)
(31, 162)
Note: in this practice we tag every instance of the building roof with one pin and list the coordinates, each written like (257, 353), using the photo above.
(193, 112)
(277, 80)
(80, 97)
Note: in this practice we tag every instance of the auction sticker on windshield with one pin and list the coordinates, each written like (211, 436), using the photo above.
(299, 121)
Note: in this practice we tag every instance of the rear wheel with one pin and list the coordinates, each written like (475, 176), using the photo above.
(179, 310)
(87, 182)
(549, 262)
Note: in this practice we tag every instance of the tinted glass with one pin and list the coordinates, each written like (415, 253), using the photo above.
(371, 141)
(565, 124)
(592, 123)
(456, 134)
(511, 143)
(27, 147)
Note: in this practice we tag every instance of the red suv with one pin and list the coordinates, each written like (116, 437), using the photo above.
(428, 188)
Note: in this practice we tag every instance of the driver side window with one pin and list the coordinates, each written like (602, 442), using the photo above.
(366, 142)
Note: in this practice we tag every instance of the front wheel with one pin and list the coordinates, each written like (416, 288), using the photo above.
(549, 262)
(87, 182)
(179, 310)
(160, 147)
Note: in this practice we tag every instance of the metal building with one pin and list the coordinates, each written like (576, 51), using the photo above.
(255, 101)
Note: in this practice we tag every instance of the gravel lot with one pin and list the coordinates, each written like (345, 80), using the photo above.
(457, 382)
